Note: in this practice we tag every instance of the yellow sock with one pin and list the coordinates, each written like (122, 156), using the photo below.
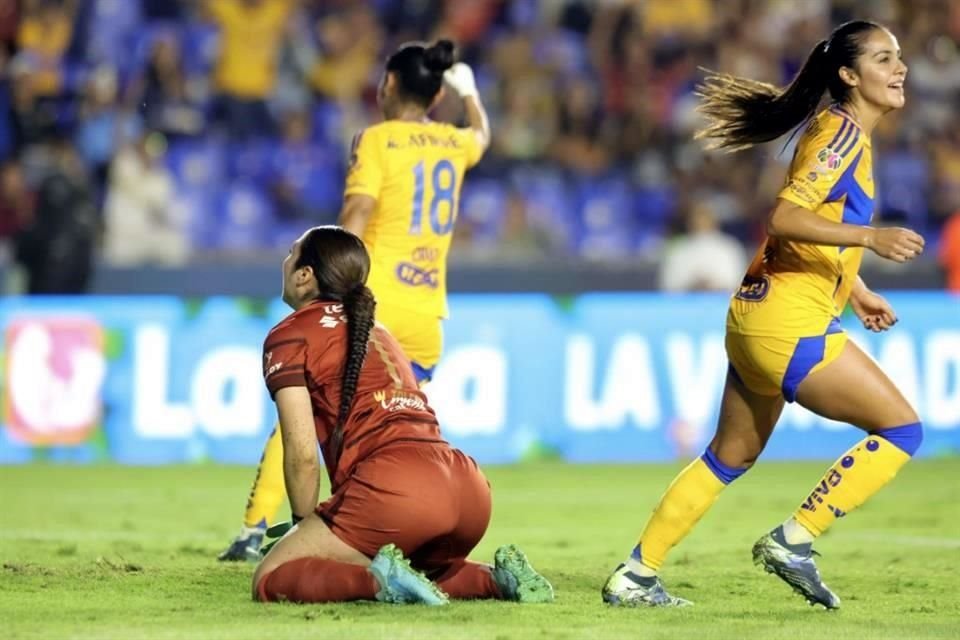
(268, 491)
(686, 500)
(857, 475)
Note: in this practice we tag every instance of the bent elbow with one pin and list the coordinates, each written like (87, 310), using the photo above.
(774, 227)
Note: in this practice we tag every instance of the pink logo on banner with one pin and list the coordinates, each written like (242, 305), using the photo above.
(53, 383)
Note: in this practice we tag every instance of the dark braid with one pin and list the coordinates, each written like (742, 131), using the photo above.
(359, 306)
(741, 112)
(341, 264)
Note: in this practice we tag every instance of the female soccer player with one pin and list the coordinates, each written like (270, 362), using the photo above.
(397, 486)
(783, 341)
(401, 198)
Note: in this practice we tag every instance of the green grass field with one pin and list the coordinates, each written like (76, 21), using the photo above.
(95, 552)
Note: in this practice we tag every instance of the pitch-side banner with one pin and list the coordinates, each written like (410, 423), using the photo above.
(595, 378)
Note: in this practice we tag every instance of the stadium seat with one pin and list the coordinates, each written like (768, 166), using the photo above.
(549, 206)
(244, 217)
(605, 218)
(902, 178)
(653, 209)
(482, 206)
(197, 164)
(194, 212)
(111, 32)
(315, 172)
(328, 122)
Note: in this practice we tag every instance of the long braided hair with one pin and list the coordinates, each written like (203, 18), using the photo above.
(341, 264)
(741, 112)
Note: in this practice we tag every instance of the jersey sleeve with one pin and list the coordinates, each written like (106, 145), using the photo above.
(823, 154)
(472, 148)
(365, 175)
(284, 358)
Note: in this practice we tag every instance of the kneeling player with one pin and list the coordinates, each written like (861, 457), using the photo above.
(397, 487)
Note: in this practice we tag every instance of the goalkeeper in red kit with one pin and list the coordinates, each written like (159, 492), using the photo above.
(406, 508)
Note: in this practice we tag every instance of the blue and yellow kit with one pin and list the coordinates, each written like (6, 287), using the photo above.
(783, 321)
(414, 170)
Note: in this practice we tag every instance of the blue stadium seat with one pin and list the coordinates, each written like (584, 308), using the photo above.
(483, 203)
(197, 164)
(199, 45)
(653, 209)
(195, 211)
(314, 172)
(902, 179)
(546, 194)
(251, 161)
(605, 216)
(244, 218)
(111, 33)
(328, 123)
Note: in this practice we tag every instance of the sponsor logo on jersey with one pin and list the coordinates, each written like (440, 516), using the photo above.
(393, 401)
(415, 276)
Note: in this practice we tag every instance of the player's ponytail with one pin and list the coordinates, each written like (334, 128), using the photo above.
(741, 112)
(359, 305)
(419, 69)
(341, 264)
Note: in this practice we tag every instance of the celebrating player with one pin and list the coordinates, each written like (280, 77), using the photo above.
(397, 486)
(401, 198)
(784, 341)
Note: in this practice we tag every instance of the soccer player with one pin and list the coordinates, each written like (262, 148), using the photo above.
(784, 340)
(401, 197)
(341, 380)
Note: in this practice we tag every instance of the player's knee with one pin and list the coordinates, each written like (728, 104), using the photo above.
(723, 469)
(907, 437)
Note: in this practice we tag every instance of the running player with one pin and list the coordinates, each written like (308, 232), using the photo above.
(401, 197)
(397, 487)
(784, 341)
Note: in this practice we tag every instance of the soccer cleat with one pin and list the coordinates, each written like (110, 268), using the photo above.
(626, 589)
(245, 546)
(517, 579)
(400, 583)
(795, 567)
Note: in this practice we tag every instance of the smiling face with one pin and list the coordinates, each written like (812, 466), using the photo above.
(879, 73)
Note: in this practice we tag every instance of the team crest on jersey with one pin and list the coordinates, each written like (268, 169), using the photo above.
(828, 160)
(754, 289)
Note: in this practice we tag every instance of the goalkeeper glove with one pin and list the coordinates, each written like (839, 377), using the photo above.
(460, 78)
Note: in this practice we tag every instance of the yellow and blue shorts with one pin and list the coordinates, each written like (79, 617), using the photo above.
(769, 365)
(420, 336)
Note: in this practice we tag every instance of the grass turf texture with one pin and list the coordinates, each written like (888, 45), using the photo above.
(95, 552)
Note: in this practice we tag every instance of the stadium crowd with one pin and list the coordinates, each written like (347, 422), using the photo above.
(163, 131)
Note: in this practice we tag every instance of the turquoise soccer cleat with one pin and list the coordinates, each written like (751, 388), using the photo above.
(400, 583)
(517, 579)
(796, 567)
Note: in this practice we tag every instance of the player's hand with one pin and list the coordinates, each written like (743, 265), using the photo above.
(460, 78)
(895, 243)
(873, 310)
(276, 532)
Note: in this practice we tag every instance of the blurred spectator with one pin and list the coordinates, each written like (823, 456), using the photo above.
(96, 136)
(161, 93)
(305, 181)
(16, 201)
(139, 226)
(950, 252)
(581, 144)
(44, 35)
(56, 246)
(703, 259)
(251, 33)
(349, 45)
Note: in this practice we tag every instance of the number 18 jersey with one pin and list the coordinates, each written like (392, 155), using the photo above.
(414, 170)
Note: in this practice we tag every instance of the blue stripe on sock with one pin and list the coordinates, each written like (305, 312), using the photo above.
(907, 438)
(725, 474)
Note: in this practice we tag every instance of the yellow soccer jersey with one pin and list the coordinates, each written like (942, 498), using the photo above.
(414, 170)
(795, 288)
